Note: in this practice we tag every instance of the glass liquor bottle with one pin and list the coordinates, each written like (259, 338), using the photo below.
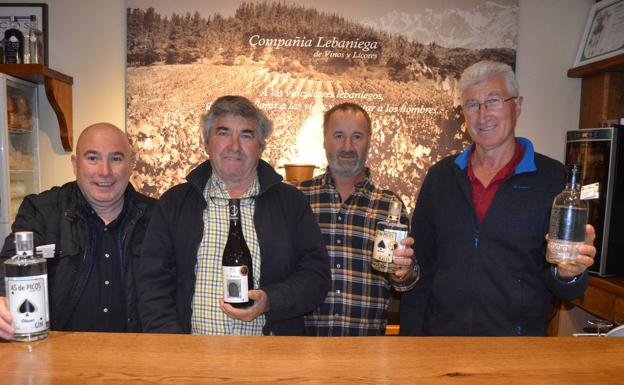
(26, 281)
(237, 262)
(33, 49)
(13, 44)
(388, 235)
(568, 218)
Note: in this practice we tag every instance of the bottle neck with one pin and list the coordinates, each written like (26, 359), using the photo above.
(22, 255)
(573, 186)
(234, 212)
(573, 178)
(24, 245)
(393, 218)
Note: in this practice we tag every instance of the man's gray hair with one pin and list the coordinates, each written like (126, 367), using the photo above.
(237, 106)
(485, 70)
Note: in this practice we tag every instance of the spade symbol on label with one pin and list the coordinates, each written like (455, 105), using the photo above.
(27, 307)
(381, 244)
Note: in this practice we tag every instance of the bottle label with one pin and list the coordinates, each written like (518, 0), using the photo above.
(386, 241)
(562, 252)
(235, 288)
(28, 303)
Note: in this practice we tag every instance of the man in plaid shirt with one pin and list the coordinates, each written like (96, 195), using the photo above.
(348, 207)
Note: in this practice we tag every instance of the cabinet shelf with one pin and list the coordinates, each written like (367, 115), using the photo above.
(58, 87)
(602, 90)
(612, 64)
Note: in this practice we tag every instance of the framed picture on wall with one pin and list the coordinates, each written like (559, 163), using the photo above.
(23, 11)
(604, 33)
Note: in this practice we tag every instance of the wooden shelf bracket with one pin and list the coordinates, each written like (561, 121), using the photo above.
(58, 88)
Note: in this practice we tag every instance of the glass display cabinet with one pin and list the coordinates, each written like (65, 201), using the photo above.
(19, 147)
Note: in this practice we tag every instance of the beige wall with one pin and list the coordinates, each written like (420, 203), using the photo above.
(87, 41)
(548, 38)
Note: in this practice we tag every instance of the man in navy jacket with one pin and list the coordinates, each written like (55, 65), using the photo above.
(180, 281)
(480, 223)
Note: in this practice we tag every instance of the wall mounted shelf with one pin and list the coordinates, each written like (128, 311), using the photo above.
(602, 90)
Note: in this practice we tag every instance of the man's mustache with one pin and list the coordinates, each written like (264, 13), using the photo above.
(348, 154)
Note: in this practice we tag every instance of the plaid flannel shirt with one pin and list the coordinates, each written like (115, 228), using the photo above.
(207, 316)
(357, 303)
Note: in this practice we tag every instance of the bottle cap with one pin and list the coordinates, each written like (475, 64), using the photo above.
(395, 208)
(24, 243)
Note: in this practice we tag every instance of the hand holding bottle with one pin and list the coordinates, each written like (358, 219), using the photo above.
(6, 327)
(250, 313)
(584, 259)
(403, 257)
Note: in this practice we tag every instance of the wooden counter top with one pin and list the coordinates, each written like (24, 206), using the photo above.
(95, 358)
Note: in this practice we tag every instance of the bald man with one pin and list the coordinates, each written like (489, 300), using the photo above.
(96, 225)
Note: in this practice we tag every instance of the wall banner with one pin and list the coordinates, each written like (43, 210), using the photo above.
(295, 59)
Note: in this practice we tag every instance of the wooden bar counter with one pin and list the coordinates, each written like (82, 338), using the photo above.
(107, 358)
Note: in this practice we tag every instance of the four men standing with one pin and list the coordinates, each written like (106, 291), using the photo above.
(478, 233)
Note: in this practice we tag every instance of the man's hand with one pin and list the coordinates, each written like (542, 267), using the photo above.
(585, 258)
(6, 326)
(403, 257)
(248, 314)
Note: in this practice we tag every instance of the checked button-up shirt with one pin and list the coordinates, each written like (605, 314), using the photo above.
(357, 303)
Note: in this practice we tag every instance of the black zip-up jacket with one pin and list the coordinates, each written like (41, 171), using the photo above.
(294, 271)
(56, 217)
(488, 278)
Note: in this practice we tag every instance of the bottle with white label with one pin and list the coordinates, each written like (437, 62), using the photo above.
(388, 236)
(33, 46)
(26, 281)
(236, 263)
(568, 218)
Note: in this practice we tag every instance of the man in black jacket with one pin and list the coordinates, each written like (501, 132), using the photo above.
(480, 222)
(180, 280)
(96, 226)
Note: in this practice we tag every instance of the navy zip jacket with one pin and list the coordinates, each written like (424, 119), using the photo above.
(488, 278)
(57, 217)
(294, 271)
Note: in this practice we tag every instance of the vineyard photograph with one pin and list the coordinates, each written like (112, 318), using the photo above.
(294, 61)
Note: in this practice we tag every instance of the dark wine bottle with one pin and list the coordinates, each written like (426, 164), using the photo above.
(13, 44)
(237, 264)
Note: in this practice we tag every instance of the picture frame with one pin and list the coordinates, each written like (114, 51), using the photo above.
(604, 33)
(23, 11)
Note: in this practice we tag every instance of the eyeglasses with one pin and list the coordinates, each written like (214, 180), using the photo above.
(494, 103)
